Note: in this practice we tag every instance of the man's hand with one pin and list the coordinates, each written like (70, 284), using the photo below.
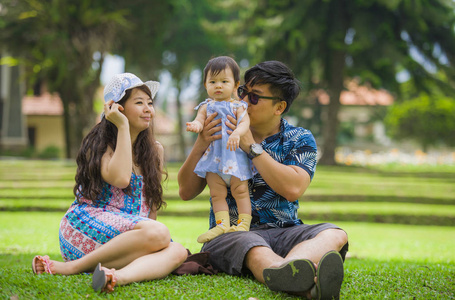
(210, 128)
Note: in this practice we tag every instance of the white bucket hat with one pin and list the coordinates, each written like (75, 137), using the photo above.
(120, 83)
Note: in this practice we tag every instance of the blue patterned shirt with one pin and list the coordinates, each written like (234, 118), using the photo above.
(291, 146)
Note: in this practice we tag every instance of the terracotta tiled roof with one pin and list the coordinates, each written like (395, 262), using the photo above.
(51, 105)
(44, 105)
(358, 95)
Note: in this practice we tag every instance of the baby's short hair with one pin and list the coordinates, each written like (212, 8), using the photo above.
(218, 64)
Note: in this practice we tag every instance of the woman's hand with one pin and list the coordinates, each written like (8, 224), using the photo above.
(112, 113)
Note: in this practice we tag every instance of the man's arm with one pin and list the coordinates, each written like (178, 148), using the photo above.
(191, 185)
(288, 181)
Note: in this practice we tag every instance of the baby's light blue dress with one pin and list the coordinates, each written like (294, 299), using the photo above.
(217, 159)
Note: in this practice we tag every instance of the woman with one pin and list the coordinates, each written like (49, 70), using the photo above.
(111, 225)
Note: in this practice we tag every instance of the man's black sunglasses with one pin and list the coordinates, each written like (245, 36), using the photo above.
(254, 98)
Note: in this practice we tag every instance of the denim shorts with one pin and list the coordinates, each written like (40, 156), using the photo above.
(228, 251)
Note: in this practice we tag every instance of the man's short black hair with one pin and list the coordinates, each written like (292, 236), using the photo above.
(280, 77)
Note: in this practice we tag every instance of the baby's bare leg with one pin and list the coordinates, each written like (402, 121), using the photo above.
(218, 192)
(239, 190)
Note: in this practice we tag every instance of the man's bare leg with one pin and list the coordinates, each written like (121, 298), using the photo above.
(260, 258)
(315, 248)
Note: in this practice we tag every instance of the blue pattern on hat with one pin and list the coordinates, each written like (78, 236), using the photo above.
(117, 91)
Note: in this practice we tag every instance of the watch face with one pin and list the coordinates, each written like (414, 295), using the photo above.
(256, 149)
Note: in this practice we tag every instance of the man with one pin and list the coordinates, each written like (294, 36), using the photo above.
(279, 250)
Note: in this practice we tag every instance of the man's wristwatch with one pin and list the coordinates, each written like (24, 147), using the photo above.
(255, 150)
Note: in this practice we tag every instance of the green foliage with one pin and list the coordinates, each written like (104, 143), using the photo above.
(50, 152)
(428, 120)
(63, 43)
(28, 152)
(187, 46)
(346, 132)
(327, 43)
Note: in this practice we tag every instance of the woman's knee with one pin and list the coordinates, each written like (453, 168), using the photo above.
(180, 253)
(155, 235)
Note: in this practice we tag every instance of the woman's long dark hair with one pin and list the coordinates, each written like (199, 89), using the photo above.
(89, 183)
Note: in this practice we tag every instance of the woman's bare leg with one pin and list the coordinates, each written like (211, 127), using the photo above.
(147, 237)
(152, 266)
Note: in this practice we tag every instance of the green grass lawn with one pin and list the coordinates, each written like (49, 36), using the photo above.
(387, 260)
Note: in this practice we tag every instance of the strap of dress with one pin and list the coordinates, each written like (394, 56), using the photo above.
(202, 103)
(245, 106)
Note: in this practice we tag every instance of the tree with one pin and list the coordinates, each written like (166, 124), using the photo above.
(428, 120)
(63, 42)
(329, 42)
(141, 43)
(188, 46)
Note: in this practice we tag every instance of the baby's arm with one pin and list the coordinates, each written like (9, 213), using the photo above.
(197, 125)
(242, 128)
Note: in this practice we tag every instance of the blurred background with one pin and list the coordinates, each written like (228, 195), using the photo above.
(377, 77)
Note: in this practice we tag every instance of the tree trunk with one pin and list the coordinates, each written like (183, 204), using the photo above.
(72, 121)
(180, 131)
(66, 126)
(334, 74)
(79, 117)
(330, 128)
